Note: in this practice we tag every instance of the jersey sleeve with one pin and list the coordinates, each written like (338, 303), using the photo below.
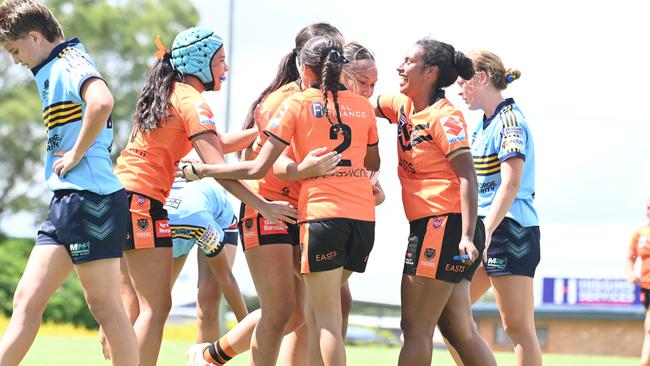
(80, 69)
(388, 106)
(449, 133)
(512, 137)
(197, 116)
(283, 124)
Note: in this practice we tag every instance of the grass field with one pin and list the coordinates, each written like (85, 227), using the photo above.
(85, 351)
(61, 345)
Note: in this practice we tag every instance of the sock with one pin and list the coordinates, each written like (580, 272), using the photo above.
(219, 353)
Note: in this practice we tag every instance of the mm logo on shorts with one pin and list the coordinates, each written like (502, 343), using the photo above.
(497, 263)
(80, 249)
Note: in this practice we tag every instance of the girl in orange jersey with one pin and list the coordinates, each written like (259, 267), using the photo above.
(171, 117)
(336, 211)
(440, 199)
(359, 76)
(640, 249)
(504, 157)
(270, 247)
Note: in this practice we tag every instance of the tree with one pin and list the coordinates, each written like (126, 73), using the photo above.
(120, 37)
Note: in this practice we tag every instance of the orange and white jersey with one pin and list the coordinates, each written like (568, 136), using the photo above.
(148, 163)
(301, 122)
(271, 187)
(640, 248)
(426, 141)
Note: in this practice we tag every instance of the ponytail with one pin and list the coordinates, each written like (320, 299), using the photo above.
(151, 107)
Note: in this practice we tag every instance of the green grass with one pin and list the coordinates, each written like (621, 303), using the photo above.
(85, 351)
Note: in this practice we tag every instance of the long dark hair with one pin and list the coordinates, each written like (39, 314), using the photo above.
(153, 101)
(288, 69)
(324, 55)
(451, 63)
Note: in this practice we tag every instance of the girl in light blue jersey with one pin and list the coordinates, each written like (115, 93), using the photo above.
(86, 223)
(504, 158)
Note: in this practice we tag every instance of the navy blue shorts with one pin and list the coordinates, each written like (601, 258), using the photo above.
(90, 226)
(514, 250)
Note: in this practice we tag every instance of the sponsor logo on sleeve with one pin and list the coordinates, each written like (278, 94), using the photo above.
(453, 128)
(206, 118)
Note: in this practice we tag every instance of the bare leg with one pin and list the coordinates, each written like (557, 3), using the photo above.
(47, 268)
(101, 284)
(423, 300)
(271, 267)
(222, 276)
(458, 327)
(293, 351)
(151, 273)
(346, 306)
(514, 295)
(324, 294)
(479, 285)
(208, 301)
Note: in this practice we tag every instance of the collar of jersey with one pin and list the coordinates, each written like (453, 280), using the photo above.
(54, 53)
(505, 103)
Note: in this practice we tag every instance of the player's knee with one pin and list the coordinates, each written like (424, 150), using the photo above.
(278, 317)
(414, 328)
(25, 302)
(516, 330)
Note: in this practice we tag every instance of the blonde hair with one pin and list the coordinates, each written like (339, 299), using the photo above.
(493, 66)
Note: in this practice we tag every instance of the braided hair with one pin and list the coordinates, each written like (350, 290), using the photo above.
(324, 55)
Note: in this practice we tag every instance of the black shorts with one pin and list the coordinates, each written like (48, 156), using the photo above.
(90, 226)
(256, 230)
(231, 234)
(645, 297)
(432, 245)
(328, 244)
(148, 225)
(514, 250)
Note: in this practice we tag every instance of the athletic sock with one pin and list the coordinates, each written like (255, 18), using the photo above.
(219, 353)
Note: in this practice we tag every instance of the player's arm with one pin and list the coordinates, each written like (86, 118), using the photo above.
(99, 105)
(238, 140)
(372, 160)
(631, 260)
(511, 174)
(208, 148)
(317, 163)
(251, 169)
(463, 165)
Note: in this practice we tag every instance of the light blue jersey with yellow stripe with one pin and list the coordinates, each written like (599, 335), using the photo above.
(503, 136)
(199, 212)
(59, 79)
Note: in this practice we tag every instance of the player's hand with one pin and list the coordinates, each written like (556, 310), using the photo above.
(195, 355)
(317, 163)
(189, 170)
(106, 348)
(488, 240)
(379, 194)
(633, 278)
(466, 246)
(279, 211)
(69, 160)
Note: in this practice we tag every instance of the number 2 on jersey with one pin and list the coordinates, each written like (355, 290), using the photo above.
(347, 139)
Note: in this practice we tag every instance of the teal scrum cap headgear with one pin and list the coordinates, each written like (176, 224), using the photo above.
(192, 52)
